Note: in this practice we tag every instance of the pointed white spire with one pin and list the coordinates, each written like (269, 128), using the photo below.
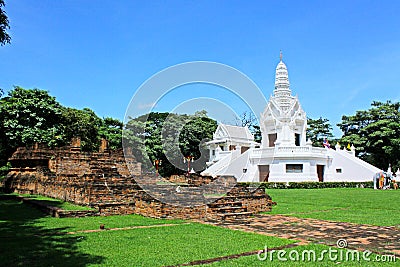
(282, 92)
(282, 86)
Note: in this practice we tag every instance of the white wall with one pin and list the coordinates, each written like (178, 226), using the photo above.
(353, 168)
(279, 174)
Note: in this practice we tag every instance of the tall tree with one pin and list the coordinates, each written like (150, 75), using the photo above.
(4, 25)
(83, 123)
(111, 129)
(170, 137)
(26, 117)
(375, 133)
(318, 130)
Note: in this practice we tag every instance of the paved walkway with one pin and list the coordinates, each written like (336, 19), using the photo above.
(379, 239)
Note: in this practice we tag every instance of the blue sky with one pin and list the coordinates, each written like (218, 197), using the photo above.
(341, 55)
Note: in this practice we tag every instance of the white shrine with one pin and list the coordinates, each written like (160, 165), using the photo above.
(284, 154)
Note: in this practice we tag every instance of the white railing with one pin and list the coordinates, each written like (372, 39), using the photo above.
(262, 152)
(288, 150)
(224, 153)
(293, 149)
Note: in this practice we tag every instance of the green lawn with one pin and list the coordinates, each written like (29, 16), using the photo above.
(356, 205)
(58, 203)
(53, 202)
(306, 258)
(29, 238)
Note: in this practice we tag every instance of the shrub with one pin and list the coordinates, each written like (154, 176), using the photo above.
(4, 170)
(308, 185)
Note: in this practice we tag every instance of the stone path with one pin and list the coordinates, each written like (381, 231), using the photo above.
(378, 239)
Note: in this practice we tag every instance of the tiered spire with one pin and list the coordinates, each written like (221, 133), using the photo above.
(282, 86)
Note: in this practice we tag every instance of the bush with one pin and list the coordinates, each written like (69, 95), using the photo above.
(4, 170)
(309, 185)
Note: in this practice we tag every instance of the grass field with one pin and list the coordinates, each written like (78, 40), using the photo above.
(322, 258)
(30, 238)
(356, 205)
(54, 202)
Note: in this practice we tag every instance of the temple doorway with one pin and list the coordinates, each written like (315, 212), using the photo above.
(320, 172)
(263, 171)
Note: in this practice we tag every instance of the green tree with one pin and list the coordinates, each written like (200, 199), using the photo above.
(28, 116)
(318, 130)
(375, 133)
(167, 136)
(83, 123)
(257, 133)
(4, 25)
(111, 129)
(197, 130)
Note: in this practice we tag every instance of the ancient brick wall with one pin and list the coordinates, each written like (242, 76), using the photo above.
(102, 180)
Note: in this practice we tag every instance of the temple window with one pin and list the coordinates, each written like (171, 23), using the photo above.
(294, 168)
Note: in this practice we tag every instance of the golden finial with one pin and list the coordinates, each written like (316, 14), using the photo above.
(280, 55)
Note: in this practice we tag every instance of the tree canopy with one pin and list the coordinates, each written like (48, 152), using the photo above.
(83, 123)
(170, 137)
(375, 133)
(4, 25)
(318, 130)
(28, 116)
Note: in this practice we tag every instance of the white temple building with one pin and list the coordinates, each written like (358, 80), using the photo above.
(284, 154)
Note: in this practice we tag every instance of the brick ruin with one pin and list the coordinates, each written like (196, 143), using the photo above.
(102, 180)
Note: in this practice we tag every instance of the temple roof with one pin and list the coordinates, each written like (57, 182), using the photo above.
(233, 132)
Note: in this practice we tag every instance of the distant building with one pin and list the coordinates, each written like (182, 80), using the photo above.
(284, 155)
(227, 138)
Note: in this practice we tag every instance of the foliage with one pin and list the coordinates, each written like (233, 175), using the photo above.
(4, 170)
(375, 133)
(170, 137)
(4, 25)
(111, 130)
(28, 116)
(257, 133)
(318, 130)
(83, 123)
(308, 185)
(355, 205)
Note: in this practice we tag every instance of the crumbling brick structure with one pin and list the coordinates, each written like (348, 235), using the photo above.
(102, 180)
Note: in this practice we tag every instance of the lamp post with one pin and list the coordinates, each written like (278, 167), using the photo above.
(188, 159)
(157, 164)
